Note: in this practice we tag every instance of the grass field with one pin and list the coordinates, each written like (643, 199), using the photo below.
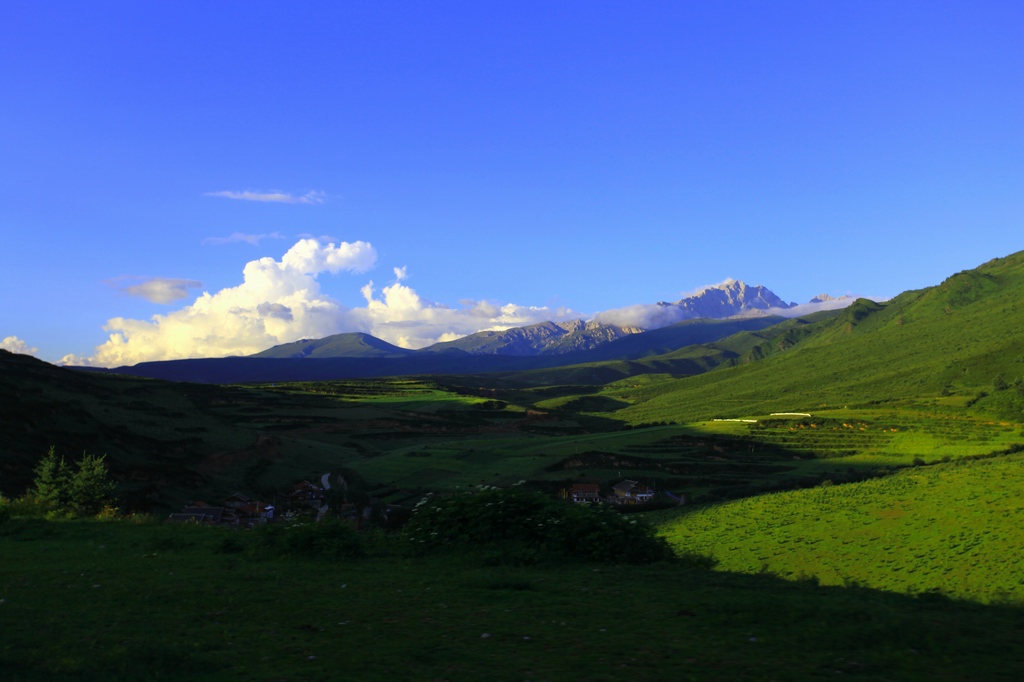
(857, 479)
(117, 601)
(955, 528)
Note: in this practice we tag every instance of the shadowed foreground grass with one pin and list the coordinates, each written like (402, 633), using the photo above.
(88, 600)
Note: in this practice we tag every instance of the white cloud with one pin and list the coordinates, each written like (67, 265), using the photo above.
(237, 237)
(162, 289)
(808, 308)
(16, 345)
(311, 197)
(701, 289)
(280, 301)
(644, 315)
(277, 302)
(402, 317)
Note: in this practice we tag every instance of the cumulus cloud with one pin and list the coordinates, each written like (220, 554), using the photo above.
(311, 197)
(280, 301)
(401, 316)
(16, 345)
(276, 311)
(162, 289)
(238, 237)
(277, 302)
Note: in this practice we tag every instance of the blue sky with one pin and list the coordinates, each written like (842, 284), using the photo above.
(520, 161)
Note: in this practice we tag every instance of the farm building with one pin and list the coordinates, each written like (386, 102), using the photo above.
(585, 492)
(631, 492)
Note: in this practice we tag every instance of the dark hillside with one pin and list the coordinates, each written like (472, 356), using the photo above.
(155, 434)
(351, 345)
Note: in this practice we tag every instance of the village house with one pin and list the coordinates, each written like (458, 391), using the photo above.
(203, 514)
(631, 492)
(585, 492)
(306, 494)
(236, 500)
(238, 510)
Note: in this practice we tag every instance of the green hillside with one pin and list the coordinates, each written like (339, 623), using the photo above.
(676, 336)
(932, 374)
(683, 349)
(956, 346)
(957, 529)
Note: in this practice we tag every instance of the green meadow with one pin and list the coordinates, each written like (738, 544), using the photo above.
(852, 508)
(955, 529)
(128, 601)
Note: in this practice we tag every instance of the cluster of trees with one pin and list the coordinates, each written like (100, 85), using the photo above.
(81, 489)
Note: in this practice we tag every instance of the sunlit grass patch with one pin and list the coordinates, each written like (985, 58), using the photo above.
(954, 528)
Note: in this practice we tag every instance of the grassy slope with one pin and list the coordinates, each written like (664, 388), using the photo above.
(684, 349)
(954, 528)
(161, 602)
(957, 338)
(169, 443)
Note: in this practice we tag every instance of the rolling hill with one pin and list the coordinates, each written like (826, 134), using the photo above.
(957, 344)
(349, 345)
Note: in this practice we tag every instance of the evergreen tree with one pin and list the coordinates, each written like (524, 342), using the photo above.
(89, 489)
(51, 482)
(83, 491)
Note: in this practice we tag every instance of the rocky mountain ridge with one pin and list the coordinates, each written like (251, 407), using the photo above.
(732, 299)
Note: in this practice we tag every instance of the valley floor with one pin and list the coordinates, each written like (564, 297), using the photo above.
(93, 600)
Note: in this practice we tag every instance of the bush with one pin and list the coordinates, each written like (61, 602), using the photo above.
(5, 511)
(327, 539)
(516, 526)
(27, 506)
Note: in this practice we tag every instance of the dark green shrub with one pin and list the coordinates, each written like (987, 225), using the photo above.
(517, 527)
(327, 539)
(230, 545)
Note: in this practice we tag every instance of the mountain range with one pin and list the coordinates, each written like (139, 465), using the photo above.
(954, 347)
(708, 315)
(731, 299)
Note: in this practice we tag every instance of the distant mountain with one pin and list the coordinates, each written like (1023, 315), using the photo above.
(349, 345)
(439, 361)
(825, 298)
(534, 347)
(677, 336)
(731, 298)
(955, 344)
(546, 338)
